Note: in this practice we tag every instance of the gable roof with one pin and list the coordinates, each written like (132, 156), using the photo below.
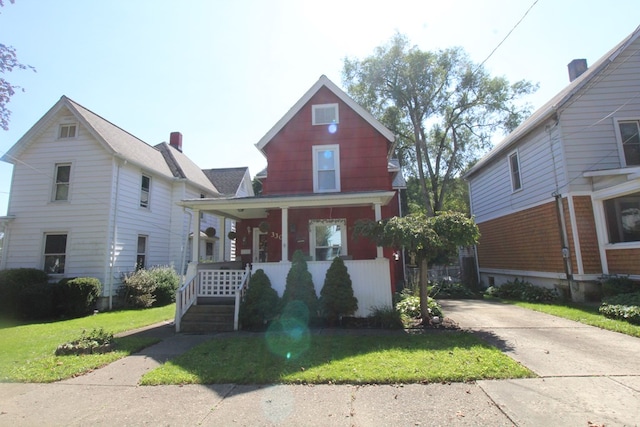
(227, 180)
(118, 142)
(323, 81)
(557, 102)
(183, 167)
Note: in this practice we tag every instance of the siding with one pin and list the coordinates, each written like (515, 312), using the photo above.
(586, 228)
(624, 261)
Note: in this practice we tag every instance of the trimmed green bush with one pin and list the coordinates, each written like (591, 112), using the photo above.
(622, 307)
(299, 286)
(16, 285)
(385, 318)
(336, 297)
(445, 290)
(615, 285)
(521, 290)
(167, 282)
(260, 303)
(138, 289)
(36, 302)
(76, 297)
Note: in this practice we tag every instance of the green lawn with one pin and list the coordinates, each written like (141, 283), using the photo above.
(586, 314)
(27, 351)
(334, 359)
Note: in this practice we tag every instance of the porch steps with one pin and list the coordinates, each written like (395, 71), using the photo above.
(206, 318)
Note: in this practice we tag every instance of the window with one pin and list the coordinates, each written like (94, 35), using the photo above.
(55, 248)
(326, 168)
(145, 187)
(622, 215)
(141, 257)
(328, 239)
(67, 131)
(630, 141)
(514, 167)
(324, 114)
(63, 178)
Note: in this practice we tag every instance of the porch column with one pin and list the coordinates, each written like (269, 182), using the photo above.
(285, 234)
(223, 238)
(195, 240)
(377, 208)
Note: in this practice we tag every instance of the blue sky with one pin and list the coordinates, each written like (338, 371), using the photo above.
(224, 72)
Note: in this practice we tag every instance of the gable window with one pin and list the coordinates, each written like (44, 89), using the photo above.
(141, 257)
(324, 114)
(55, 248)
(514, 168)
(67, 131)
(630, 141)
(622, 215)
(63, 179)
(326, 168)
(328, 239)
(145, 188)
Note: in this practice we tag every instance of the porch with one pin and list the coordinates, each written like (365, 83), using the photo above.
(221, 289)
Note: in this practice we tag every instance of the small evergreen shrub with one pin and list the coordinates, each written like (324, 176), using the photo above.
(76, 297)
(622, 307)
(14, 283)
(167, 282)
(138, 289)
(336, 297)
(299, 285)
(614, 285)
(385, 318)
(521, 290)
(260, 303)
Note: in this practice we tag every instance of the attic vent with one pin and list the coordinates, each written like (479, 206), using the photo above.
(324, 114)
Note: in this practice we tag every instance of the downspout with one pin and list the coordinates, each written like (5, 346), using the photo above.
(113, 236)
(566, 254)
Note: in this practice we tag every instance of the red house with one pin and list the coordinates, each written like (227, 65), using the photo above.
(330, 163)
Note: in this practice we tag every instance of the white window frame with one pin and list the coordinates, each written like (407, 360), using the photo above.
(57, 184)
(59, 255)
(336, 155)
(145, 202)
(317, 118)
(341, 222)
(513, 173)
(63, 130)
(617, 122)
(142, 253)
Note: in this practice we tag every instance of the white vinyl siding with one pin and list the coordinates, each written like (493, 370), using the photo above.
(324, 114)
(326, 168)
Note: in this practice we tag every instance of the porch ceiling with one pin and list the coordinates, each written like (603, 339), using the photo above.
(257, 207)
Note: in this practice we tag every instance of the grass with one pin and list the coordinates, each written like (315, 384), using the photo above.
(325, 359)
(27, 353)
(586, 314)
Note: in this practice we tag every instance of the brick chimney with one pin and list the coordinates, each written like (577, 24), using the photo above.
(576, 68)
(175, 140)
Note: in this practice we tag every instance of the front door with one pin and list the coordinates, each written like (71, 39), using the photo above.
(259, 249)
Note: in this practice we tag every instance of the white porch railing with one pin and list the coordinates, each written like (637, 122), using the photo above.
(370, 279)
(211, 284)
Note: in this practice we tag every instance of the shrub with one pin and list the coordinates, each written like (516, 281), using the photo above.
(299, 286)
(137, 289)
(622, 307)
(521, 290)
(96, 341)
(446, 289)
(260, 304)
(614, 285)
(76, 297)
(167, 282)
(36, 301)
(409, 306)
(385, 318)
(17, 286)
(336, 296)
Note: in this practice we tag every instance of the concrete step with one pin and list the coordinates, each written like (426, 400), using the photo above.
(208, 318)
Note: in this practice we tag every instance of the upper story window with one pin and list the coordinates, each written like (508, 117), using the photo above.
(141, 255)
(326, 168)
(63, 180)
(630, 140)
(514, 168)
(324, 114)
(328, 239)
(145, 189)
(622, 215)
(55, 249)
(67, 131)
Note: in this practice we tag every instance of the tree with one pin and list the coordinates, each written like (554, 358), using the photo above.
(8, 62)
(443, 107)
(299, 285)
(260, 303)
(336, 296)
(425, 238)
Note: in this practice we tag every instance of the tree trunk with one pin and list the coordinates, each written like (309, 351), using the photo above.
(424, 292)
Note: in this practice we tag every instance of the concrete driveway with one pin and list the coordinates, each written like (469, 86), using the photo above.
(587, 375)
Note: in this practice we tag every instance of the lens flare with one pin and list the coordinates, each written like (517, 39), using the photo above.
(332, 128)
(289, 336)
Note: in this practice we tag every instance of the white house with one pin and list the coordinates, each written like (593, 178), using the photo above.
(89, 199)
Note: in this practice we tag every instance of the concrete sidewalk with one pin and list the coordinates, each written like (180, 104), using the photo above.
(586, 376)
